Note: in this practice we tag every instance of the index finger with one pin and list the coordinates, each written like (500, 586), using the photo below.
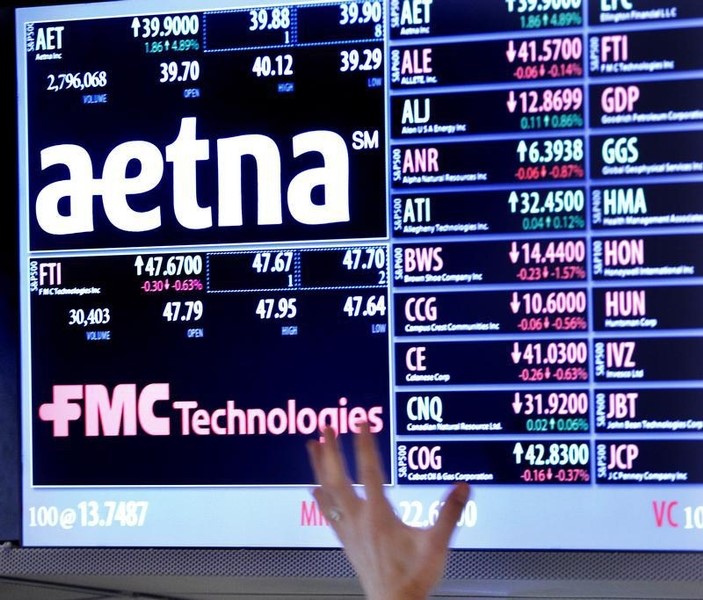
(368, 463)
(330, 468)
(449, 514)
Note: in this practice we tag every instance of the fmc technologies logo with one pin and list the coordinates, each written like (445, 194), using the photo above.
(118, 182)
(127, 412)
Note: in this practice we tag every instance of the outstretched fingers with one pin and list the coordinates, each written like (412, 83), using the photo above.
(369, 470)
(330, 471)
(449, 514)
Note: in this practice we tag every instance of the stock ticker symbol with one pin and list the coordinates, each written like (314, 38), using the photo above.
(60, 411)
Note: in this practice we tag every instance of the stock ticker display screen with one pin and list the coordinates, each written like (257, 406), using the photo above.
(475, 225)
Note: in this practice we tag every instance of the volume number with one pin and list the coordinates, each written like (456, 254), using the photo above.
(95, 316)
(76, 81)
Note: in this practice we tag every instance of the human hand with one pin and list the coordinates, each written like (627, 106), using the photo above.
(392, 560)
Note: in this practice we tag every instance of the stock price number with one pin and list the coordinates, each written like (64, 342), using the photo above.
(545, 50)
(187, 70)
(151, 27)
(539, 455)
(563, 251)
(550, 151)
(554, 403)
(129, 513)
(359, 13)
(270, 262)
(552, 353)
(190, 310)
(367, 259)
(263, 19)
(550, 303)
(546, 101)
(180, 264)
(415, 514)
(94, 316)
(368, 59)
(266, 66)
(370, 306)
(364, 258)
(551, 202)
(281, 308)
(530, 6)
(554, 103)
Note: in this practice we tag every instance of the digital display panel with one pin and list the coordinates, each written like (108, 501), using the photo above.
(476, 226)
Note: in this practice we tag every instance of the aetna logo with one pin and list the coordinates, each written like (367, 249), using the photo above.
(128, 413)
(115, 186)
